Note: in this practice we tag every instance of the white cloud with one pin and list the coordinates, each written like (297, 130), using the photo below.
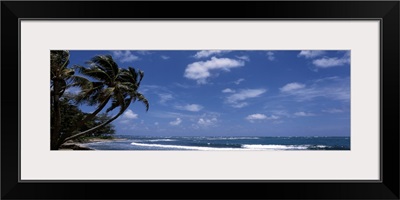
(176, 122)
(271, 55)
(129, 114)
(165, 57)
(331, 62)
(208, 53)
(332, 89)
(239, 105)
(256, 116)
(207, 122)
(236, 99)
(200, 71)
(303, 114)
(333, 111)
(310, 54)
(246, 58)
(165, 97)
(190, 107)
(237, 82)
(124, 56)
(259, 116)
(331, 78)
(292, 86)
(228, 90)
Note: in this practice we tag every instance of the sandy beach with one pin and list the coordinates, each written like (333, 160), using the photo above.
(81, 145)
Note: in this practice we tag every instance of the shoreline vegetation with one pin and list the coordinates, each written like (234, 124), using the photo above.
(80, 145)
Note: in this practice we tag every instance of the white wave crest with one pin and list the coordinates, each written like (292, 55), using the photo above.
(161, 140)
(245, 147)
(183, 147)
(274, 147)
(232, 138)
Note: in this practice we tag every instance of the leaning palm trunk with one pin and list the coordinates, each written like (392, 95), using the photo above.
(62, 138)
(92, 115)
(89, 131)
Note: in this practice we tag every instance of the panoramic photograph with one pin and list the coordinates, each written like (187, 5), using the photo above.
(200, 100)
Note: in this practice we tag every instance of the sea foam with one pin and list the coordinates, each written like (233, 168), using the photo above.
(182, 147)
(274, 147)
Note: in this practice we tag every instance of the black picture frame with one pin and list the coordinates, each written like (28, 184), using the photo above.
(386, 11)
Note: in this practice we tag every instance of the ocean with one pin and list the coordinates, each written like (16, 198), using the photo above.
(130, 142)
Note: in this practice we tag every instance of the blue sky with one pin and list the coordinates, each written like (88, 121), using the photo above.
(236, 93)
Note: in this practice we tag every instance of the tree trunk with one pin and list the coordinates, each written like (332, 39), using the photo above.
(97, 127)
(81, 123)
(92, 115)
(55, 133)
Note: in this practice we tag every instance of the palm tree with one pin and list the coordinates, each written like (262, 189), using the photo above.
(112, 83)
(59, 75)
(104, 71)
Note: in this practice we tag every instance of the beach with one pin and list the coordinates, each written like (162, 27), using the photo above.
(74, 145)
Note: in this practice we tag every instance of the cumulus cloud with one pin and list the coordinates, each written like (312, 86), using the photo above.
(310, 54)
(228, 90)
(201, 70)
(208, 53)
(256, 116)
(207, 122)
(129, 114)
(331, 62)
(190, 107)
(236, 99)
(124, 56)
(176, 122)
(259, 116)
(292, 86)
(270, 55)
(303, 114)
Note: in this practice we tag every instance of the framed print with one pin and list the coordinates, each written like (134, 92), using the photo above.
(284, 95)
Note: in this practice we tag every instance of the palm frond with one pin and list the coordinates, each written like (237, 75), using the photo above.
(114, 104)
(141, 74)
(133, 74)
(106, 63)
(140, 97)
(80, 81)
(97, 74)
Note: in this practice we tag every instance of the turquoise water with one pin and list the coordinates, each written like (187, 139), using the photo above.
(224, 143)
